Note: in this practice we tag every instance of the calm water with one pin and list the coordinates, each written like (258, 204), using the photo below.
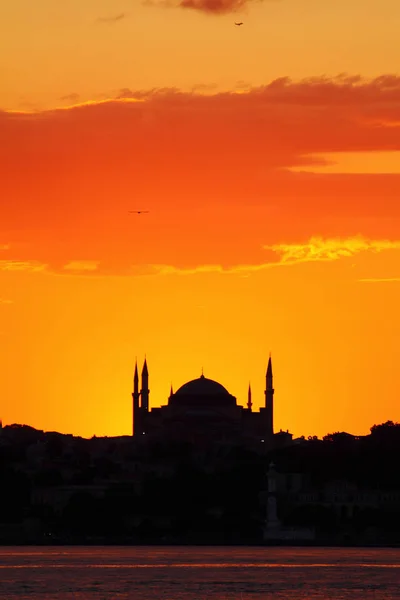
(198, 573)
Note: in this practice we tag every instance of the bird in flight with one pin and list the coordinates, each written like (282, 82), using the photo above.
(139, 212)
(238, 24)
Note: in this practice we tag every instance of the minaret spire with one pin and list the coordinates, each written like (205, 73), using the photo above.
(269, 399)
(136, 374)
(135, 398)
(249, 402)
(269, 376)
(144, 392)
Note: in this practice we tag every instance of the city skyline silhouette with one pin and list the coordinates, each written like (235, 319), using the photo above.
(266, 180)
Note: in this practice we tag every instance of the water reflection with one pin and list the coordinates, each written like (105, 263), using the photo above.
(149, 573)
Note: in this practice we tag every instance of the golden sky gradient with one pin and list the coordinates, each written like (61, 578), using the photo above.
(268, 156)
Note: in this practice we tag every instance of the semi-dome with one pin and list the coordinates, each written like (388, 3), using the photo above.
(203, 392)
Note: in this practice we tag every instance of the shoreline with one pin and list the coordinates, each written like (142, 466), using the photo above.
(161, 544)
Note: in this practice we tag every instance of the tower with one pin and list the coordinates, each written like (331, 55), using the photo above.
(135, 398)
(269, 399)
(249, 402)
(144, 392)
(272, 521)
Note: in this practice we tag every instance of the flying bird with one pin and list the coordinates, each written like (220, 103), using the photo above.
(139, 212)
(238, 24)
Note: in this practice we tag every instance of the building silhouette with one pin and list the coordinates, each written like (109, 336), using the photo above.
(204, 409)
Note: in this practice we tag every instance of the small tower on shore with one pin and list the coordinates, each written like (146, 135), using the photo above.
(273, 524)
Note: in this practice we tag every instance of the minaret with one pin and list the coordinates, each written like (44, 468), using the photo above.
(171, 392)
(249, 402)
(269, 399)
(144, 392)
(135, 397)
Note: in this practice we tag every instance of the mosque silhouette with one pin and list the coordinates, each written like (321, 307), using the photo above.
(204, 409)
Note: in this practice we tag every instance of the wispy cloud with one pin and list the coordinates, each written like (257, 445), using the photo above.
(82, 265)
(4, 247)
(112, 19)
(196, 270)
(22, 265)
(380, 280)
(74, 98)
(319, 249)
(242, 270)
(5, 301)
(316, 249)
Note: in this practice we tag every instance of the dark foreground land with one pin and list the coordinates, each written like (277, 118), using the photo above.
(58, 489)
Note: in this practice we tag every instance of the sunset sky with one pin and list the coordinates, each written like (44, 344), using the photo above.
(268, 156)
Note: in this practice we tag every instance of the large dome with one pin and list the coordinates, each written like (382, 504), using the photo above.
(202, 387)
(201, 392)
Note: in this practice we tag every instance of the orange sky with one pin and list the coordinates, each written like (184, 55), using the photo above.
(269, 159)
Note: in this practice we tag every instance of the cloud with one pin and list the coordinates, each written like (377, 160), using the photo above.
(112, 19)
(380, 280)
(82, 265)
(74, 98)
(214, 169)
(282, 124)
(319, 249)
(242, 270)
(5, 301)
(315, 250)
(216, 7)
(22, 265)
(4, 247)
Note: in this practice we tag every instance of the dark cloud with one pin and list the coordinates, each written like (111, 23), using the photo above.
(216, 7)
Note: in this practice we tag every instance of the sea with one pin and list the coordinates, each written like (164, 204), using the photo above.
(206, 573)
